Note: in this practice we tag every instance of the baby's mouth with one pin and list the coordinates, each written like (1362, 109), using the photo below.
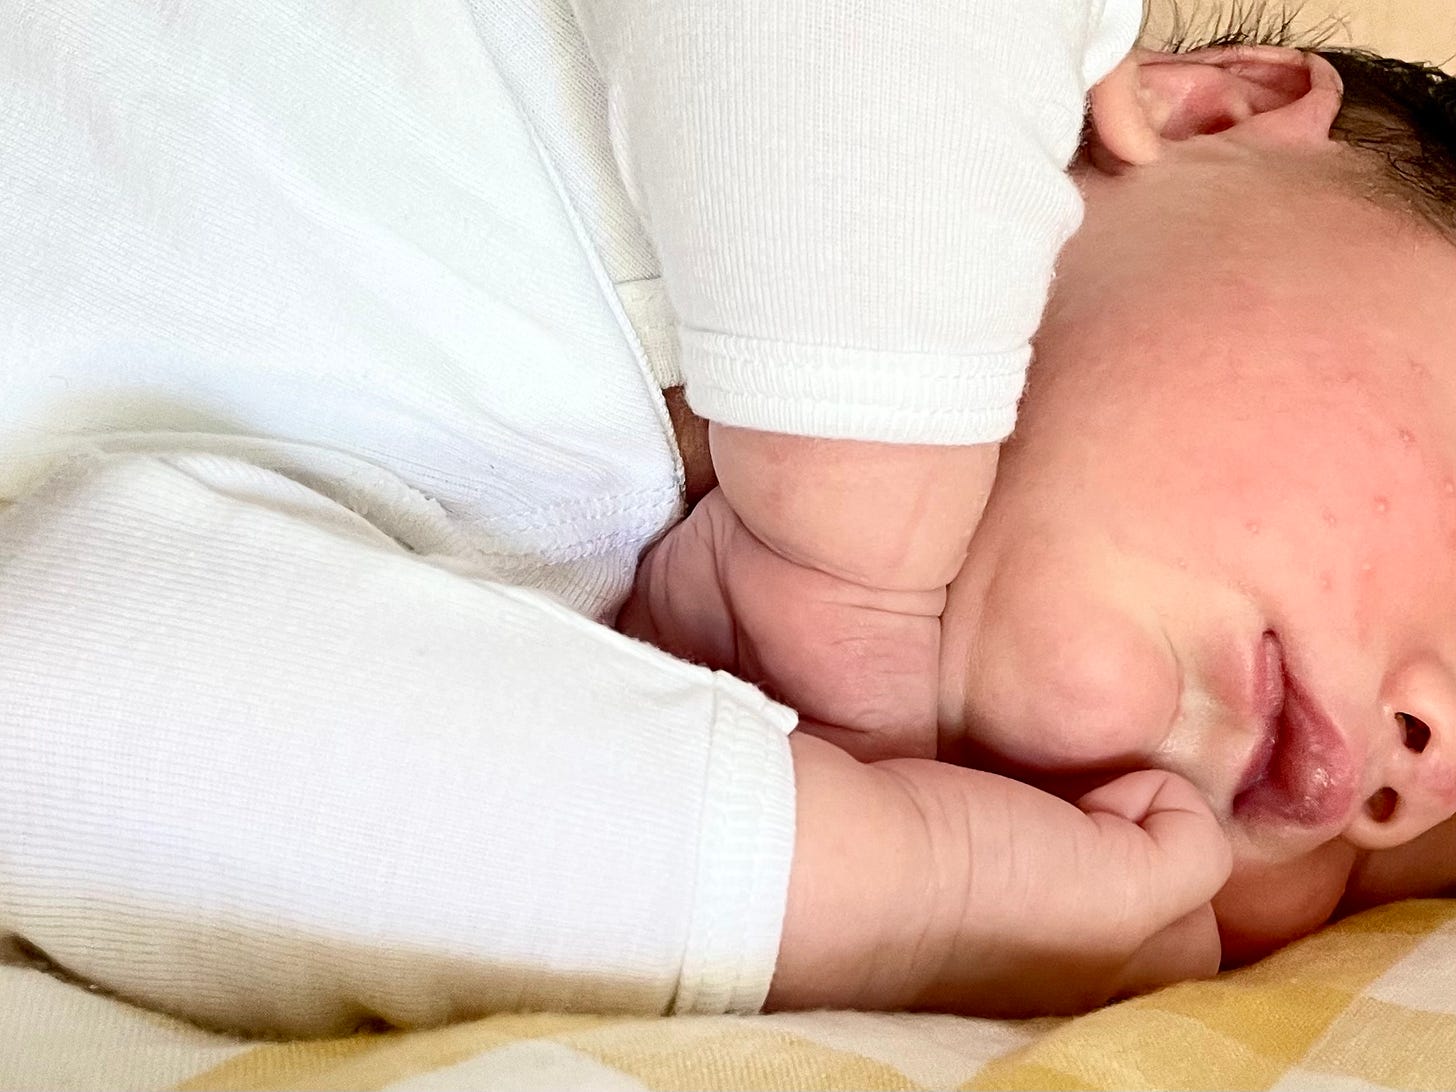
(1301, 773)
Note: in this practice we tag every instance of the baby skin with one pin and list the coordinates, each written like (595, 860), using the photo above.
(1194, 640)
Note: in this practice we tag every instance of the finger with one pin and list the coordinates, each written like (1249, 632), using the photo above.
(1138, 795)
(871, 744)
(1185, 950)
(1186, 855)
(677, 601)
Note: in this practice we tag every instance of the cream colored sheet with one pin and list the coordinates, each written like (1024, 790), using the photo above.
(1369, 1004)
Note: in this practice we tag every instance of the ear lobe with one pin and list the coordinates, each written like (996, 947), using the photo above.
(1266, 94)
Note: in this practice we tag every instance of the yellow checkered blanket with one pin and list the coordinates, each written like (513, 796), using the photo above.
(1367, 1004)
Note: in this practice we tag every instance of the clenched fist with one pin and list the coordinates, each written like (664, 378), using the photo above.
(818, 570)
(922, 885)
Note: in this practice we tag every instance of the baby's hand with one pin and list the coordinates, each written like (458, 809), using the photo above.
(1117, 904)
(1001, 900)
(819, 570)
(835, 650)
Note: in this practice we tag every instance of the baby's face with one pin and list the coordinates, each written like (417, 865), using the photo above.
(1223, 538)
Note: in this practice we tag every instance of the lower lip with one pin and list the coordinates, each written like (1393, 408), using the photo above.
(1304, 774)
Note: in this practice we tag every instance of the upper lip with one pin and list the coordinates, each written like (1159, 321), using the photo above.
(1301, 770)
(1265, 695)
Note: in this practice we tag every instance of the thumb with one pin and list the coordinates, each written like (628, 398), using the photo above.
(1187, 949)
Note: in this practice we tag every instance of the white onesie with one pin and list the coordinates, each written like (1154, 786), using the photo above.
(330, 350)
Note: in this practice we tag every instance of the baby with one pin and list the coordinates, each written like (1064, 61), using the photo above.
(310, 718)
(1219, 546)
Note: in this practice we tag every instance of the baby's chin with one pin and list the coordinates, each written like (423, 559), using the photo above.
(1265, 905)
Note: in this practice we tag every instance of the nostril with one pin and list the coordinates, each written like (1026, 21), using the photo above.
(1414, 732)
(1381, 805)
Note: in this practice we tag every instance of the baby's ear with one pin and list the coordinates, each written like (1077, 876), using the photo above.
(1266, 94)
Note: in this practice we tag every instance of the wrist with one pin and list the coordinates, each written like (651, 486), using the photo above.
(867, 906)
(907, 509)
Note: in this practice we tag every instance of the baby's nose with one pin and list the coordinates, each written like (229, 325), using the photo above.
(1412, 747)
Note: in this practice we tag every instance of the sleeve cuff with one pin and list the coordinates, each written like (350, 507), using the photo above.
(747, 848)
(853, 394)
(1114, 32)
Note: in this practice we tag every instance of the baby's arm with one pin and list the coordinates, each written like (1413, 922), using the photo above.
(919, 885)
(264, 766)
(857, 209)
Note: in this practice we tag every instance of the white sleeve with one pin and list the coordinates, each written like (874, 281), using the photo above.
(262, 767)
(857, 205)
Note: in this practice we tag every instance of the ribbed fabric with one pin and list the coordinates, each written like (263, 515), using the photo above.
(279, 749)
(856, 206)
(265, 768)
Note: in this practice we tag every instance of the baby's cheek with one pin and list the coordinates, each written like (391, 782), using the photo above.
(1392, 536)
(1436, 779)
(1064, 680)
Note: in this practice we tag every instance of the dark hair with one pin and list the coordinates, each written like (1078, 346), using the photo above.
(1401, 114)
